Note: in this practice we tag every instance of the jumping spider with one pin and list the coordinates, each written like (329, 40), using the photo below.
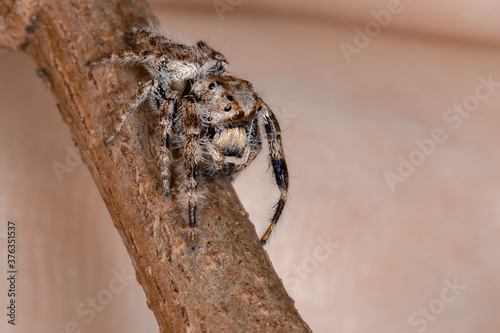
(213, 117)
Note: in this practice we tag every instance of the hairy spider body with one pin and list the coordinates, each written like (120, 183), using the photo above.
(214, 118)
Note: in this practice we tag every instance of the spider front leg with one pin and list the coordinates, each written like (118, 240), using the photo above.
(166, 113)
(191, 123)
(140, 96)
(278, 163)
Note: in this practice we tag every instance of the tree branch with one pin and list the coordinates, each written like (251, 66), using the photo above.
(228, 284)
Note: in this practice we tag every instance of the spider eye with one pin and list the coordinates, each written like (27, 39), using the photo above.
(229, 97)
(260, 108)
(211, 86)
(227, 108)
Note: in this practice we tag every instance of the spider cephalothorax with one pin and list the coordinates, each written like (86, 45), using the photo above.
(215, 119)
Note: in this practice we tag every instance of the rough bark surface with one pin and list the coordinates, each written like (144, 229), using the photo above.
(228, 284)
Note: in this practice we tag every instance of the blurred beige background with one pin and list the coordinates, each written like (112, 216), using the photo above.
(414, 101)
